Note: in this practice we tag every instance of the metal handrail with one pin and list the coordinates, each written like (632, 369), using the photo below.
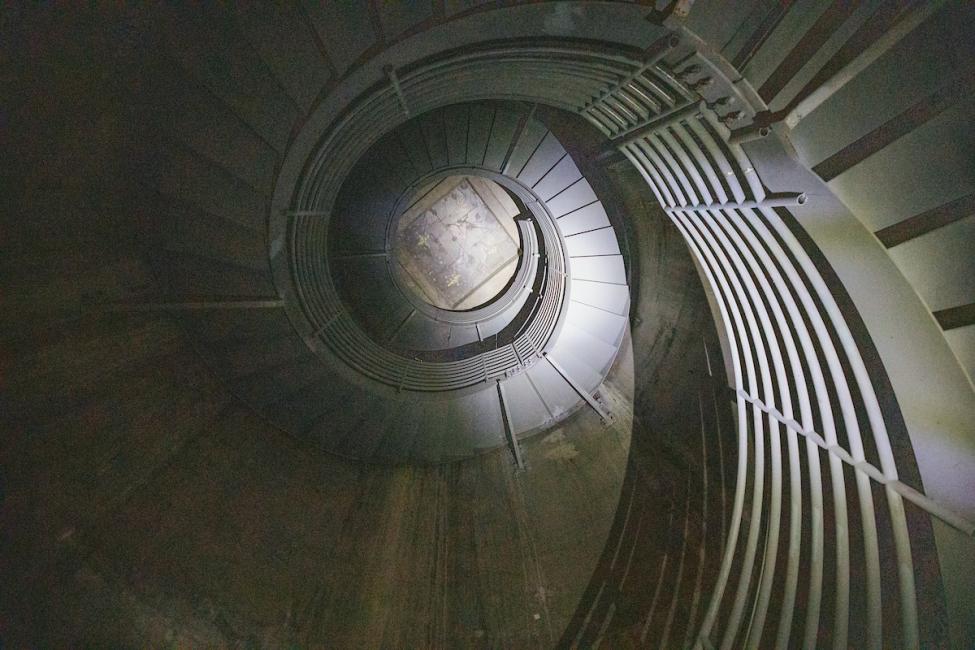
(792, 357)
(388, 367)
(751, 259)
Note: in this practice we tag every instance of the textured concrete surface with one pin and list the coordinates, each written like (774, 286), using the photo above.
(142, 504)
(155, 511)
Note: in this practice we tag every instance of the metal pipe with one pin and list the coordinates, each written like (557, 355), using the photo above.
(749, 134)
(661, 121)
(787, 200)
(848, 72)
(509, 428)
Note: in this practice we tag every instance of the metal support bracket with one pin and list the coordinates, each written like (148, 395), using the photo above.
(394, 80)
(780, 201)
(509, 427)
(656, 122)
(606, 416)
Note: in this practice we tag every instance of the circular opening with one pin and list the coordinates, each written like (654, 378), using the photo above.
(457, 246)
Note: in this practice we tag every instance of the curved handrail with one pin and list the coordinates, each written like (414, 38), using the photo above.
(334, 326)
(788, 343)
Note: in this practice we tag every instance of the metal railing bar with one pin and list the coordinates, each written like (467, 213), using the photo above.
(662, 50)
(509, 427)
(763, 377)
(926, 503)
(736, 227)
(731, 318)
(737, 253)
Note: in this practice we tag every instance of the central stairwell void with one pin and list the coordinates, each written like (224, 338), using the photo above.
(456, 244)
(513, 326)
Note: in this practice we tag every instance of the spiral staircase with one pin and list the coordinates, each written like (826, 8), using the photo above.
(725, 399)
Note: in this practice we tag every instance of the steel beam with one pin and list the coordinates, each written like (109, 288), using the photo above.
(509, 427)
(394, 81)
(582, 392)
(201, 304)
(783, 200)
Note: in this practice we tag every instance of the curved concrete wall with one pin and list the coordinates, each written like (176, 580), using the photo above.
(232, 90)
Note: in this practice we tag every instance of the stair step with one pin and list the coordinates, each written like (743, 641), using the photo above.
(237, 324)
(559, 178)
(558, 395)
(434, 134)
(529, 139)
(592, 243)
(479, 424)
(788, 32)
(603, 325)
(206, 236)
(191, 114)
(479, 131)
(585, 357)
(940, 265)
(610, 297)
(248, 357)
(599, 269)
(267, 385)
(192, 275)
(576, 196)
(367, 288)
(284, 39)
(296, 411)
(591, 217)
(184, 175)
(355, 427)
(423, 333)
(434, 428)
(462, 335)
(411, 138)
(414, 427)
(456, 124)
(210, 49)
(548, 154)
(527, 409)
(397, 170)
(345, 29)
(503, 131)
